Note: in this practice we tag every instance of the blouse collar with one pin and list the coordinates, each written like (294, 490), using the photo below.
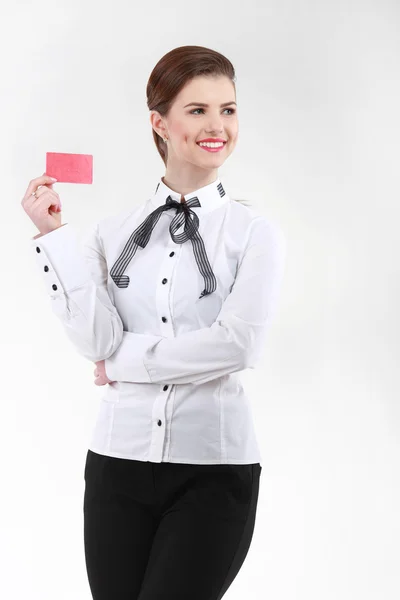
(210, 196)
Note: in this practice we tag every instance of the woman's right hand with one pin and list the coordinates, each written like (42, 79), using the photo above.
(39, 208)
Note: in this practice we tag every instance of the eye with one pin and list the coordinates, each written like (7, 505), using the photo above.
(193, 111)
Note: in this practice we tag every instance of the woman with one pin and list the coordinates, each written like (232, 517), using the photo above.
(170, 312)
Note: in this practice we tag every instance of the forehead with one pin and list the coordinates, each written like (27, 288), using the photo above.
(215, 89)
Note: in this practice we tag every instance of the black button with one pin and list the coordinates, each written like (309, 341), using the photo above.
(172, 253)
(37, 249)
(165, 388)
(46, 268)
(164, 280)
(54, 286)
(164, 319)
(159, 422)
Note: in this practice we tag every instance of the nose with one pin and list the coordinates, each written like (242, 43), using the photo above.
(216, 126)
(215, 130)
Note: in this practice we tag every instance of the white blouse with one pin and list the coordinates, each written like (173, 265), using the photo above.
(174, 356)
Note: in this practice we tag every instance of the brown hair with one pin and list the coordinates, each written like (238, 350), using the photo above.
(173, 71)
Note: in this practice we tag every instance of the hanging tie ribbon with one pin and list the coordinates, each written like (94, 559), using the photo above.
(141, 236)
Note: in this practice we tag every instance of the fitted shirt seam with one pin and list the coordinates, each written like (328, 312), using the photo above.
(221, 452)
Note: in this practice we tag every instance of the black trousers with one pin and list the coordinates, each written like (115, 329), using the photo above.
(166, 531)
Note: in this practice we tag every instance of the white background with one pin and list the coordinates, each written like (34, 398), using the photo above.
(318, 105)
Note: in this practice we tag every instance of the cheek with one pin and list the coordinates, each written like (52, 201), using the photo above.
(184, 133)
(180, 131)
(235, 129)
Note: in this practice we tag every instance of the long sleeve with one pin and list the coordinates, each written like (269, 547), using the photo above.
(232, 343)
(75, 276)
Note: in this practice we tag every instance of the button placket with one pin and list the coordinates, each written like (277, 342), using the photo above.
(163, 310)
(159, 429)
(164, 290)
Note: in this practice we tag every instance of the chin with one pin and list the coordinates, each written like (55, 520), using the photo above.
(211, 164)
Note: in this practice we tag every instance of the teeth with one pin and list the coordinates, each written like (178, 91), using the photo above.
(211, 144)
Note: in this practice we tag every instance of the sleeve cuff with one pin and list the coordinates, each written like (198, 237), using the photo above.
(59, 257)
(128, 361)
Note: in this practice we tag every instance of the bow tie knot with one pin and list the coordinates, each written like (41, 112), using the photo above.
(140, 237)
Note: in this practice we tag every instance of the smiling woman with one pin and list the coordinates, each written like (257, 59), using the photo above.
(173, 471)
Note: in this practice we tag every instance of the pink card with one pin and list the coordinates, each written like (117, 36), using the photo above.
(70, 168)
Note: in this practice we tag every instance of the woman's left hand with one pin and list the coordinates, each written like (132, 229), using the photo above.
(100, 373)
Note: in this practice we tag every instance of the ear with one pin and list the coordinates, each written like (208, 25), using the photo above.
(157, 123)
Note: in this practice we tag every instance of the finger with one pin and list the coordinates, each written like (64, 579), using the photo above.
(34, 184)
(38, 206)
(34, 200)
(52, 182)
(44, 190)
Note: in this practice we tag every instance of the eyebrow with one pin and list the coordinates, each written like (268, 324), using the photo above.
(206, 105)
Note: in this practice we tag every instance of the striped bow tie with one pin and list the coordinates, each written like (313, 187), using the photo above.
(141, 236)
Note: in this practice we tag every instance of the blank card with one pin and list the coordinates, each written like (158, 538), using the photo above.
(70, 168)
